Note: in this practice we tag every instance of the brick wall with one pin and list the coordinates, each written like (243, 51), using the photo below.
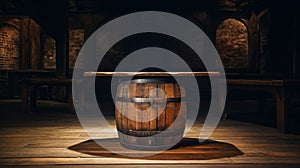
(9, 47)
(232, 43)
(49, 53)
(76, 40)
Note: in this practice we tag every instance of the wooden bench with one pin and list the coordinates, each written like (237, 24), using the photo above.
(279, 89)
(29, 89)
(15, 77)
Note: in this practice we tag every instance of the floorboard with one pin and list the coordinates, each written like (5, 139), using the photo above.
(52, 137)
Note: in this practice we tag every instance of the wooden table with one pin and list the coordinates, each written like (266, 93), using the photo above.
(279, 89)
(198, 75)
(152, 74)
(122, 76)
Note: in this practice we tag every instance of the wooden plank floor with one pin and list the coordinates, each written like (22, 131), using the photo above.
(54, 138)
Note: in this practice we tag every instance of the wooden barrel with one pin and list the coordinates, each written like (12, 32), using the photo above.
(148, 107)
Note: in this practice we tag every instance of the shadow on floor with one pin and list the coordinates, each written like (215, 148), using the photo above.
(189, 149)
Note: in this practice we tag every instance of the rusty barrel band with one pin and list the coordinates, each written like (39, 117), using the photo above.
(151, 81)
(148, 133)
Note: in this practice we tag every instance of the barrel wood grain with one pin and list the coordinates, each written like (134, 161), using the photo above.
(143, 118)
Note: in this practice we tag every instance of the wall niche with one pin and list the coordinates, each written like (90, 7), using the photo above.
(232, 43)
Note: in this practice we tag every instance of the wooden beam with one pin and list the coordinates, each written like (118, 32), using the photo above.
(25, 53)
(62, 43)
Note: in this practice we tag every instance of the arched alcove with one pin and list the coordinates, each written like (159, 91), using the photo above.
(232, 43)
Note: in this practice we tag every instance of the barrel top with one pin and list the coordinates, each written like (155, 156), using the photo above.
(149, 74)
